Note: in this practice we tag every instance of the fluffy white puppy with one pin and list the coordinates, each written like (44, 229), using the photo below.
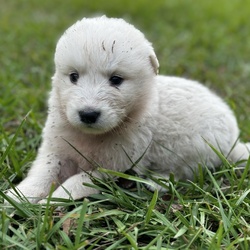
(108, 103)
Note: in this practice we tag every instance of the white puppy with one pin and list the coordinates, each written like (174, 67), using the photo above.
(108, 103)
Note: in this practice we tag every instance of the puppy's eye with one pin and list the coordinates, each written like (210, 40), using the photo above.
(74, 77)
(116, 80)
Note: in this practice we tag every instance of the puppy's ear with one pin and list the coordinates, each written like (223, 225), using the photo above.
(154, 63)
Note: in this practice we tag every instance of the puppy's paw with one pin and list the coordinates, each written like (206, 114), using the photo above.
(43, 202)
(74, 189)
(23, 194)
(11, 195)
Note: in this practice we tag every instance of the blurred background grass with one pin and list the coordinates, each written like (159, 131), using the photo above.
(203, 40)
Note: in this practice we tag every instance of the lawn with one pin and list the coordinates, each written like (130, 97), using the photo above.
(203, 40)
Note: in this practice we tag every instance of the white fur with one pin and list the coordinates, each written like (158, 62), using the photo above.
(169, 118)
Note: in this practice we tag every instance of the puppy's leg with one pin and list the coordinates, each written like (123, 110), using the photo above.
(73, 187)
(39, 180)
(241, 151)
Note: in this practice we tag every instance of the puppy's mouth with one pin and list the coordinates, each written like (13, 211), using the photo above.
(89, 129)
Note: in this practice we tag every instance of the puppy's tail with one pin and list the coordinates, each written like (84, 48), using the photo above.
(241, 151)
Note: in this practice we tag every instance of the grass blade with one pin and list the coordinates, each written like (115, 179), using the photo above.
(151, 207)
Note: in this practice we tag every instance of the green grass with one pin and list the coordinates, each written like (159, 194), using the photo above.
(203, 40)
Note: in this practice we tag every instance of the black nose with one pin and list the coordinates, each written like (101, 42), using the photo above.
(89, 116)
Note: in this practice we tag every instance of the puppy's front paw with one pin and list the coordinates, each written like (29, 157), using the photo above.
(23, 194)
(11, 196)
(73, 188)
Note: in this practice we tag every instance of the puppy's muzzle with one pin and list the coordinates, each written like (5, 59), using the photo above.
(89, 116)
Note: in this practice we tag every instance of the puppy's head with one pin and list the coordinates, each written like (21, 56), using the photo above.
(105, 71)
